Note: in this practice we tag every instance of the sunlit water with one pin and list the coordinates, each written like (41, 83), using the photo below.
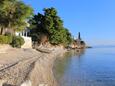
(91, 67)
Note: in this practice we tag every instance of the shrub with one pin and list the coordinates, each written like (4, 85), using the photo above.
(17, 41)
(5, 39)
(9, 38)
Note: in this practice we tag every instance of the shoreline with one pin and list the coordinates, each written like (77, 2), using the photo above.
(28, 67)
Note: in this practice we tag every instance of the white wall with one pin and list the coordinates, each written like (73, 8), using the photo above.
(28, 42)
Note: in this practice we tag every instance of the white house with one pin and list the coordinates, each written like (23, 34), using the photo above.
(27, 39)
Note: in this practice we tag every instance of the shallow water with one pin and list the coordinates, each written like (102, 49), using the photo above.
(90, 67)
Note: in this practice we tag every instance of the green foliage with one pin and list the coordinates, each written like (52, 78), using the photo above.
(59, 37)
(14, 14)
(17, 41)
(5, 39)
(50, 24)
(14, 41)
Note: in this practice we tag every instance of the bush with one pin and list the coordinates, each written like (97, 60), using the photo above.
(5, 39)
(17, 41)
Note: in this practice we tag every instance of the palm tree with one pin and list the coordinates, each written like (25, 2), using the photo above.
(13, 15)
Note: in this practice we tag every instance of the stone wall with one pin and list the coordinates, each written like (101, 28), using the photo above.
(28, 42)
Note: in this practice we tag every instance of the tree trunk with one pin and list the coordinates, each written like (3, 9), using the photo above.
(2, 31)
(13, 31)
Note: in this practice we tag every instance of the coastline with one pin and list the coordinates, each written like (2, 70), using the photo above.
(28, 67)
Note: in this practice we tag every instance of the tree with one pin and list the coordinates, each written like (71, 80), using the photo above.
(14, 15)
(51, 25)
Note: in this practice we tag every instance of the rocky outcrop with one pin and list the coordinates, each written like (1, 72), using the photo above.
(27, 67)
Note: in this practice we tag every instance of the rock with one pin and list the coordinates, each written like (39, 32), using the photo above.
(26, 83)
(28, 67)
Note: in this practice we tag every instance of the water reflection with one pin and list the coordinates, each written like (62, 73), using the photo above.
(78, 52)
(62, 63)
(92, 67)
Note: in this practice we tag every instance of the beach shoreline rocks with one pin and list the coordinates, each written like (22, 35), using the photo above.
(28, 67)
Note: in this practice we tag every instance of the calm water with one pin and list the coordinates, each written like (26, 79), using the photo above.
(90, 67)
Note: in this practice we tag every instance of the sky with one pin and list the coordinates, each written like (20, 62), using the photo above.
(94, 19)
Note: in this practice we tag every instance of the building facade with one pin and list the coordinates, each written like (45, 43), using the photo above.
(78, 43)
(25, 35)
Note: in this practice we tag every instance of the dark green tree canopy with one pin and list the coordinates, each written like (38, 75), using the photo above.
(14, 14)
(51, 25)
